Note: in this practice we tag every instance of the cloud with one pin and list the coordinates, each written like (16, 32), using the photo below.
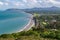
(29, 3)
(6, 3)
(38, 3)
(24, 1)
(1, 3)
(55, 3)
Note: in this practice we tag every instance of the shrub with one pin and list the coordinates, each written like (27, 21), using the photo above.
(52, 35)
(58, 34)
(6, 36)
(45, 34)
(48, 34)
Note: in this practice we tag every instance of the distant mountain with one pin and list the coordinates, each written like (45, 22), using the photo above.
(37, 10)
(13, 10)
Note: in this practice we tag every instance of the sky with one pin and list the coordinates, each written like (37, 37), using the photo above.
(23, 4)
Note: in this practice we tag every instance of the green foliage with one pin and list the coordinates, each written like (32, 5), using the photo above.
(30, 32)
(36, 34)
(58, 34)
(36, 15)
(15, 35)
(51, 34)
(45, 34)
(6, 36)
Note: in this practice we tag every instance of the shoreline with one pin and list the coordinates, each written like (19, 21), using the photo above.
(29, 25)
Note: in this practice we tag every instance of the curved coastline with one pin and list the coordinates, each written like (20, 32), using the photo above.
(26, 27)
(29, 25)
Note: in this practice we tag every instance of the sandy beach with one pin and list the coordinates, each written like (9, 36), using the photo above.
(29, 25)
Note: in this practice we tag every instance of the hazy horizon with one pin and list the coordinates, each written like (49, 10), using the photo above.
(23, 4)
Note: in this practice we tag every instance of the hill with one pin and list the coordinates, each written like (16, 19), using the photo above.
(51, 10)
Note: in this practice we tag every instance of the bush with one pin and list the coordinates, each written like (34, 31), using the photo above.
(58, 34)
(52, 35)
(48, 34)
(6, 36)
(45, 34)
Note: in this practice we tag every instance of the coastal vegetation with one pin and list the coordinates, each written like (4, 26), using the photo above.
(47, 27)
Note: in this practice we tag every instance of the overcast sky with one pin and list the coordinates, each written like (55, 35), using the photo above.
(22, 4)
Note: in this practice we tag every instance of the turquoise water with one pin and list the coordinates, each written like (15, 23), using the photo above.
(11, 22)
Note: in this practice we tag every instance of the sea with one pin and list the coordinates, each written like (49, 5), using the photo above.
(11, 22)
